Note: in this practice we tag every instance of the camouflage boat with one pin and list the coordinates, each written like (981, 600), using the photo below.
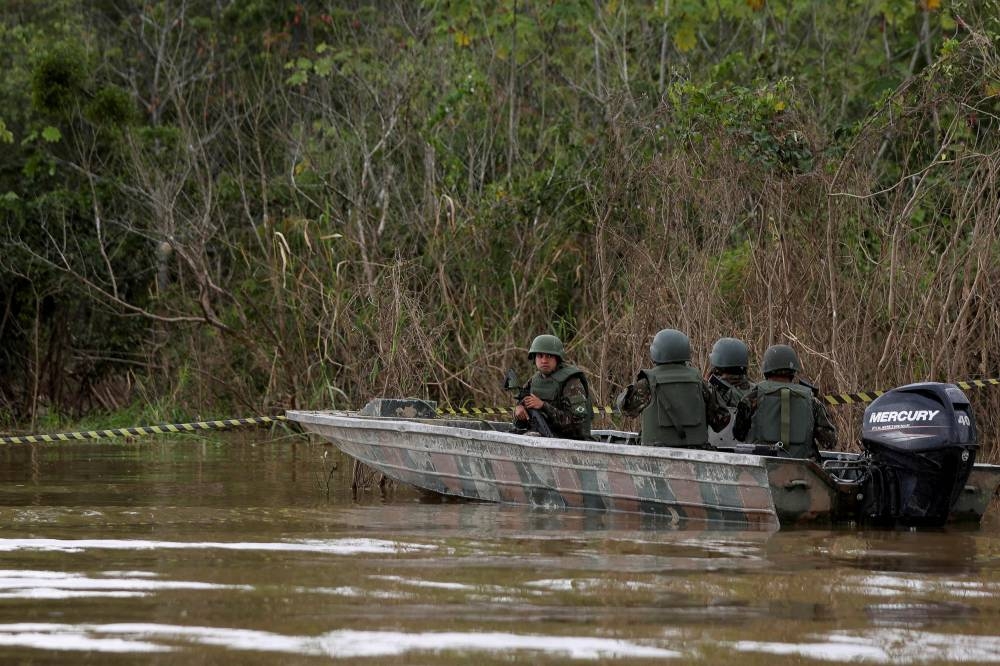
(485, 460)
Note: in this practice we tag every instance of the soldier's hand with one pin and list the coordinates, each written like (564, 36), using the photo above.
(625, 396)
(532, 401)
(520, 413)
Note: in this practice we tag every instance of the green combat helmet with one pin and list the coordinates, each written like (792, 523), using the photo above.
(729, 353)
(670, 346)
(546, 344)
(780, 358)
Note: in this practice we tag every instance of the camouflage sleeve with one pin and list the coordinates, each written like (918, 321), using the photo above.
(716, 413)
(744, 415)
(720, 393)
(824, 432)
(523, 424)
(570, 408)
(635, 403)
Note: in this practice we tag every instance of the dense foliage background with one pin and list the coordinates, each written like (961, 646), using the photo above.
(212, 206)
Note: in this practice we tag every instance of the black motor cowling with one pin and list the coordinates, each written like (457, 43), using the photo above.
(921, 439)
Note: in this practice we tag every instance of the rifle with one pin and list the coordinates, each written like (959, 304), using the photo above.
(729, 394)
(535, 417)
(811, 387)
(716, 380)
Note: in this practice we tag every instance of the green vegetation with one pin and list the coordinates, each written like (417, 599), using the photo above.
(237, 207)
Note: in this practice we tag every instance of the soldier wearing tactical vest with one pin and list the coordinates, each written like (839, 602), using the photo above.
(727, 374)
(559, 391)
(779, 409)
(676, 404)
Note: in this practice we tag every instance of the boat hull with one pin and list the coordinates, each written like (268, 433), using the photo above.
(474, 461)
(517, 469)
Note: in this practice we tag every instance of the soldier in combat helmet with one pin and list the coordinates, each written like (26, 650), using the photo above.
(558, 391)
(676, 404)
(727, 374)
(779, 409)
(728, 364)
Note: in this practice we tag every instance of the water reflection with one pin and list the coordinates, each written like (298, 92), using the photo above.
(225, 550)
(334, 546)
(138, 638)
(896, 647)
(948, 550)
(918, 613)
(341, 644)
(26, 584)
(933, 551)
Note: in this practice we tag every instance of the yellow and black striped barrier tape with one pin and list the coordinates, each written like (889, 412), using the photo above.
(161, 429)
(860, 397)
(850, 398)
(868, 396)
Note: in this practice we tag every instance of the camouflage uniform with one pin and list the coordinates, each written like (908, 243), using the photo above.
(736, 386)
(569, 414)
(824, 435)
(715, 412)
(729, 389)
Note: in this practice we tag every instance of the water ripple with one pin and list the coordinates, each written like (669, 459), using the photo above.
(354, 546)
(887, 647)
(126, 637)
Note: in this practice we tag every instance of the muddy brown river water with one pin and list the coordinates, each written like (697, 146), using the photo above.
(234, 549)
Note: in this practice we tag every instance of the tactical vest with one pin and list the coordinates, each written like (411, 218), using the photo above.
(675, 415)
(550, 388)
(784, 414)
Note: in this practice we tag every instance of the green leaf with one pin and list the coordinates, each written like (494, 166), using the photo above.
(51, 134)
(323, 67)
(6, 136)
(685, 39)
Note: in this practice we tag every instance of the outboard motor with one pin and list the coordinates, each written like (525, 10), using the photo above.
(921, 440)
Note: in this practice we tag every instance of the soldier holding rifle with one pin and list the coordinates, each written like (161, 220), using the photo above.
(558, 393)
